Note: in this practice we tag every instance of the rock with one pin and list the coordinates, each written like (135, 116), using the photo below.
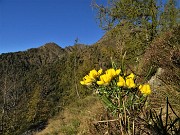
(155, 80)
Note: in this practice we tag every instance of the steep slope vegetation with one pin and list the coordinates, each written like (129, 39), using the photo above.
(160, 61)
(37, 84)
(163, 58)
(27, 94)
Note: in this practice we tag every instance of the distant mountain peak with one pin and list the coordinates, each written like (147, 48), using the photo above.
(50, 45)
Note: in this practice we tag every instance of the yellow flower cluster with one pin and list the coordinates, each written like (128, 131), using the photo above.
(106, 78)
(91, 77)
(127, 82)
(110, 74)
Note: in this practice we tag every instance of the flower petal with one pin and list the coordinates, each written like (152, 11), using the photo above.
(118, 71)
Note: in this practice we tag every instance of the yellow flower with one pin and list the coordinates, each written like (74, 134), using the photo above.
(84, 83)
(94, 74)
(91, 77)
(118, 71)
(108, 76)
(121, 82)
(87, 80)
(145, 89)
(130, 76)
(130, 83)
(104, 79)
(100, 71)
(112, 72)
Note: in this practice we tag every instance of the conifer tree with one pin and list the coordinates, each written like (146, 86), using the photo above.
(170, 16)
(146, 15)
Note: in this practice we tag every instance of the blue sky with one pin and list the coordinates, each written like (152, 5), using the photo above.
(28, 24)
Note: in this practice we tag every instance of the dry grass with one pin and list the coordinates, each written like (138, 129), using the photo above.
(75, 118)
(158, 98)
(164, 53)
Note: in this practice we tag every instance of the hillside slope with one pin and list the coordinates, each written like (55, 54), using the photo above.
(26, 79)
(160, 60)
(37, 84)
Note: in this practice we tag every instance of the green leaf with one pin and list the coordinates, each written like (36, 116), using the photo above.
(108, 102)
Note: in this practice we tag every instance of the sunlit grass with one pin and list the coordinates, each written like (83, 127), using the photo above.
(75, 118)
